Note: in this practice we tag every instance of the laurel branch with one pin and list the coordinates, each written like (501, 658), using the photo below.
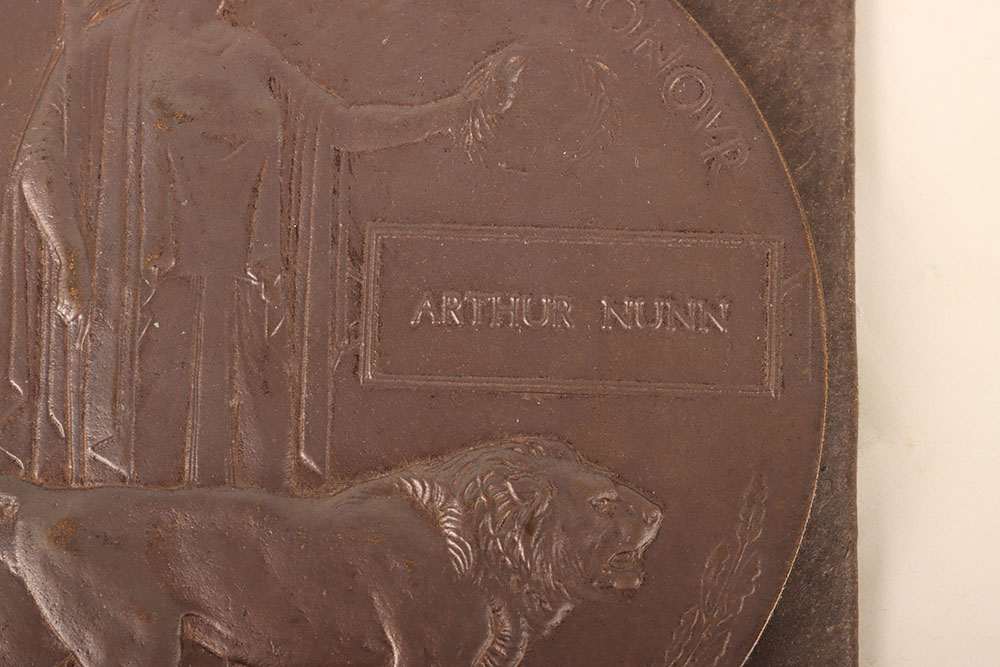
(729, 578)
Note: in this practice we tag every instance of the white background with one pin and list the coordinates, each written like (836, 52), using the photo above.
(928, 244)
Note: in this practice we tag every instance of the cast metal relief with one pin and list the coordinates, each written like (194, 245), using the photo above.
(730, 577)
(147, 330)
(291, 362)
(465, 559)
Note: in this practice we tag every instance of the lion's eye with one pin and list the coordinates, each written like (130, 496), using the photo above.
(601, 504)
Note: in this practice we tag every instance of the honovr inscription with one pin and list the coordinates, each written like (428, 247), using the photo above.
(528, 311)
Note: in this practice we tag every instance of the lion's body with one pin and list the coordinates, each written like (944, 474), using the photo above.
(117, 570)
(383, 573)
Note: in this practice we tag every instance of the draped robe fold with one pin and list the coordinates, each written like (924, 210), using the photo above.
(72, 403)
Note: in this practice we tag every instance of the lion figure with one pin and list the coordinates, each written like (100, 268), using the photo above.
(459, 561)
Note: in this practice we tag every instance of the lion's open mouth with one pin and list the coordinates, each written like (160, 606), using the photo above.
(624, 560)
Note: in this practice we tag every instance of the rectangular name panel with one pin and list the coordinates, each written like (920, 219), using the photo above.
(581, 311)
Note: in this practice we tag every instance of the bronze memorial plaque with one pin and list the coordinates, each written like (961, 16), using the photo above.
(372, 332)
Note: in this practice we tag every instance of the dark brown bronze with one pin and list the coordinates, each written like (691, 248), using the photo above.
(402, 334)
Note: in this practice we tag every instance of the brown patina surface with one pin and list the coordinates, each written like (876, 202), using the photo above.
(366, 309)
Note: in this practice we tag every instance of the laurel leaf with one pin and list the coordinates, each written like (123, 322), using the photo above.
(710, 652)
(728, 579)
(747, 573)
(752, 514)
(713, 579)
(683, 636)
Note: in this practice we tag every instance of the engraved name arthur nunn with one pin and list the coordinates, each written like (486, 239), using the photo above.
(588, 291)
(534, 310)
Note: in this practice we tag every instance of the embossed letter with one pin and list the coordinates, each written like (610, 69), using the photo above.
(501, 309)
(611, 315)
(424, 307)
(526, 306)
(639, 307)
(477, 301)
(451, 303)
(710, 319)
(561, 314)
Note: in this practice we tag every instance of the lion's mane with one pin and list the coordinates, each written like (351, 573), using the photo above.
(493, 505)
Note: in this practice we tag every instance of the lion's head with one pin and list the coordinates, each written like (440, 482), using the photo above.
(542, 527)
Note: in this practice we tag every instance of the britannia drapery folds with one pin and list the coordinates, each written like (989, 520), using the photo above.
(176, 201)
